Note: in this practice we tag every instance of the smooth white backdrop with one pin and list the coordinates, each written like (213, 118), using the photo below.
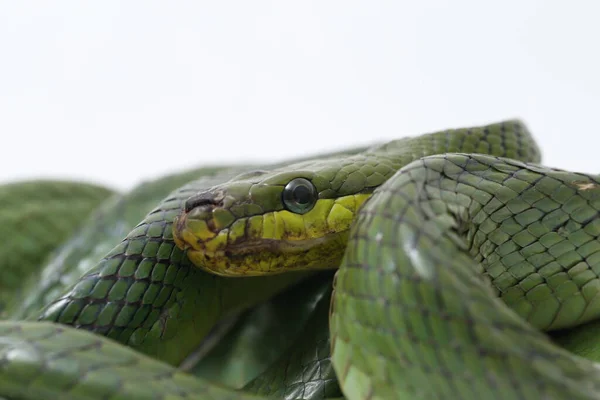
(119, 92)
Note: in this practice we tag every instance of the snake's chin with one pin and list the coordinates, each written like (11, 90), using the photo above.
(214, 252)
(259, 257)
(264, 256)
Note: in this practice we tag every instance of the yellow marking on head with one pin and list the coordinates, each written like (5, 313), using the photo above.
(360, 199)
(293, 225)
(237, 229)
(219, 242)
(200, 229)
(255, 226)
(315, 239)
(348, 202)
(187, 236)
(264, 265)
(344, 211)
(315, 221)
(339, 218)
(279, 224)
(269, 226)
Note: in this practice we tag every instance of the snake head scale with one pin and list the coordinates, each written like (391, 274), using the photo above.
(269, 222)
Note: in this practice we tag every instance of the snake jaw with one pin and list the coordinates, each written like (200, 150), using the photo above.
(178, 232)
(267, 256)
(216, 239)
(194, 229)
(226, 252)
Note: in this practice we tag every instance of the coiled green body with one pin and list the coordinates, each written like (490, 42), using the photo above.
(429, 265)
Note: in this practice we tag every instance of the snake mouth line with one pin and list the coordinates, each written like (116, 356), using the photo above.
(273, 246)
(228, 252)
(185, 239)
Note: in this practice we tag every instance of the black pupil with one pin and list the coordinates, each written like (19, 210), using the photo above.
(302, 194)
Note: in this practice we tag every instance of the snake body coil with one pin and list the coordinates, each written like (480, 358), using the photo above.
(454, 253)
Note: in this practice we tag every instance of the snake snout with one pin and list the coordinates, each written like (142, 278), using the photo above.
(206, 200)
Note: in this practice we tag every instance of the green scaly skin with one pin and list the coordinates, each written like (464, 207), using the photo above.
(146, 294)
(304, 372)
(405, 320)
(45, 213)
(108, 225)
(257, 347)
(524, 233)
(105, 227)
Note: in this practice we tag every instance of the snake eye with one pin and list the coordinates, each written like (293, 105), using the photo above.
(299, 195)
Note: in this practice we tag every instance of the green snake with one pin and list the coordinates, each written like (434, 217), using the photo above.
(454, 252)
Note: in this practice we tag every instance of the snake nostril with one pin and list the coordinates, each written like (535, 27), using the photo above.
(199, 200)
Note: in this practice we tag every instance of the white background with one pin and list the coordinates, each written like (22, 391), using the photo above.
(119, 92)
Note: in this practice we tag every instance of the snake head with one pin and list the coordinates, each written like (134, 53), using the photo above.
(267, 222)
